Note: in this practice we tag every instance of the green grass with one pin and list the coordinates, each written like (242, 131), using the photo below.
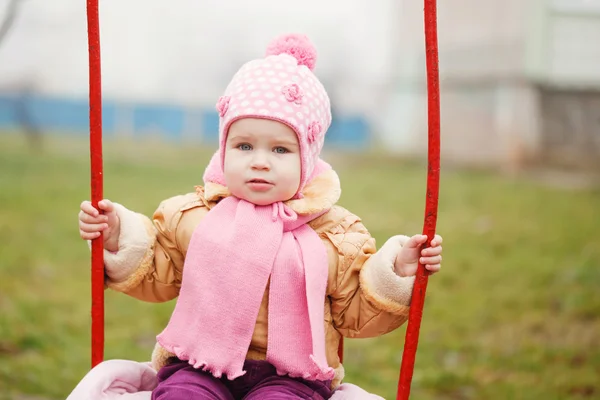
(512, 315)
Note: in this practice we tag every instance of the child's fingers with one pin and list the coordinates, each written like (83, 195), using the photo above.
(431, 260)
(87, 208)
(416, 241)
(90, 219)
(437, 240)
(432, 251)
(433, 268)
(91, 228)
(89, 235)
(106, 205)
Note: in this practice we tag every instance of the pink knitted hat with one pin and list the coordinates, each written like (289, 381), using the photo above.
(279, 87)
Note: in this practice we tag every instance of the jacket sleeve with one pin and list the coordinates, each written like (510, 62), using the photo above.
(367, 298)
(149, 262)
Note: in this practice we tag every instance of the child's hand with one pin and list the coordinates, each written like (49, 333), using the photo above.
(92, 223)
(407, 259)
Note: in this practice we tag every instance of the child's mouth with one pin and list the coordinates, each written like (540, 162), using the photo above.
(260, 185)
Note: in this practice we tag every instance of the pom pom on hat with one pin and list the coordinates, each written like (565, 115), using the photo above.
(297, 46)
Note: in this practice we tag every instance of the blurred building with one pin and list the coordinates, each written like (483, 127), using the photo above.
(520, 82)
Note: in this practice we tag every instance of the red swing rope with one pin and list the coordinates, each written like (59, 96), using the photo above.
(96, 179)
(433, 170)
(431, 202)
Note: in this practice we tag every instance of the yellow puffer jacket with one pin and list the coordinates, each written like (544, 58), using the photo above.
(365, 298)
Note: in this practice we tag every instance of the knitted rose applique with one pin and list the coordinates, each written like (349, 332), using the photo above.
(223, 105)
(293, 93)
(314, 130)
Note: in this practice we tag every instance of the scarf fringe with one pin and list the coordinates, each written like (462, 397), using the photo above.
(203, 365)
(315, 372)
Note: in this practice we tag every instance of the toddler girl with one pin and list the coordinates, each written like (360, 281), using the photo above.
(269, 273)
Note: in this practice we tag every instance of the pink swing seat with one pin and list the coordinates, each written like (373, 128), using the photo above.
(131, 380)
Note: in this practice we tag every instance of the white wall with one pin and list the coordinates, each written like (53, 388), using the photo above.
(482, 55)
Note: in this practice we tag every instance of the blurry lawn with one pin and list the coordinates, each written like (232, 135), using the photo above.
(513, 315)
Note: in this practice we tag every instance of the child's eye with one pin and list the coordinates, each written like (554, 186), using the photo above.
(280, 150)
(244, 147)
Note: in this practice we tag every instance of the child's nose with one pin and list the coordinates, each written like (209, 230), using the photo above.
(260, 161)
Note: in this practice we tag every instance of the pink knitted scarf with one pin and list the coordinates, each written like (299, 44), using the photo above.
(232, 254)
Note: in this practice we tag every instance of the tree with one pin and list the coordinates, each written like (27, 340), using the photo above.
(9, 18)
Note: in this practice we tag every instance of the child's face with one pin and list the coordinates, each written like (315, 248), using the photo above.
(262, 161)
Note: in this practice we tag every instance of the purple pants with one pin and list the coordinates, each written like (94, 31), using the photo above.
(181, 381)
